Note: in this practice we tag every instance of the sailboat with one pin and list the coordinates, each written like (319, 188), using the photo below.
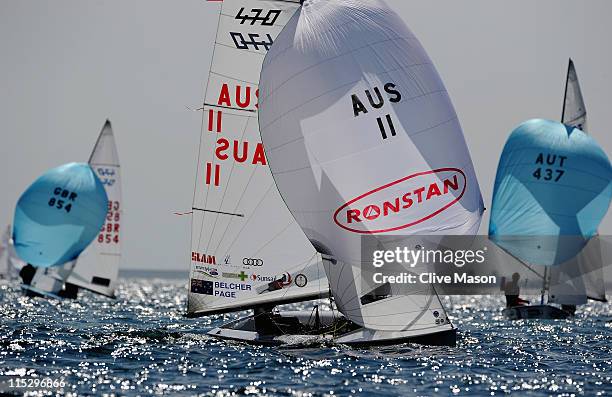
(364, 143)
(96, 269)
(543, 165)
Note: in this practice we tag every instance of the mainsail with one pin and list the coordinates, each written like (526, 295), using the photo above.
(574, 109)
(247, 250)
(363, 140)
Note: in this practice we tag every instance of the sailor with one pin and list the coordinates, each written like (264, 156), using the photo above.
(512, 291)
(27, 273)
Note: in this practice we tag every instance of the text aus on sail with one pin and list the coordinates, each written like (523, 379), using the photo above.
(230, 147)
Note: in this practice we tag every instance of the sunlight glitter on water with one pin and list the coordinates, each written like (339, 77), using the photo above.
(140, 344)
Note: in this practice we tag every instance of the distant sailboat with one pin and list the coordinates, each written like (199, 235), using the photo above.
(533, 218)
(96, 269)
(362, 140)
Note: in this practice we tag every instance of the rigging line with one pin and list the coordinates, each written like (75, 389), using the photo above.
(197, 176)
(249, 218)
(227, 184)
(274, 238)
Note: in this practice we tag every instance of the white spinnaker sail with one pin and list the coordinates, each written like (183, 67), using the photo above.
(583, 277)
(97, 268)
(247, 249)
(353, 114)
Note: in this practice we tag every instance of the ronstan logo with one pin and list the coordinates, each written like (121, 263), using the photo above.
(403, 203)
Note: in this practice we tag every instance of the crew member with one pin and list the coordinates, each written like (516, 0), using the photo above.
(512, 291)
(27, 274)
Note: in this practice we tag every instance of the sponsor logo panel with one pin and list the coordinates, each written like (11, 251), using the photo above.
(403, 203)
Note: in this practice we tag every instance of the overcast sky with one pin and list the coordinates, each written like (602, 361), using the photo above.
(66, 66)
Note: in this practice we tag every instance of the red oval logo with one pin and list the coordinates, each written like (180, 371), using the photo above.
(403, 203)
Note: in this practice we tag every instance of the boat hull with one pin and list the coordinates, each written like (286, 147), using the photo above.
(299, 327)
(535, 312)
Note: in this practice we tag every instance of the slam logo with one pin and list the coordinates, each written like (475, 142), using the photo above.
(403, 203)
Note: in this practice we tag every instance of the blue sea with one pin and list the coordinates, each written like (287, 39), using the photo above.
(140, 344)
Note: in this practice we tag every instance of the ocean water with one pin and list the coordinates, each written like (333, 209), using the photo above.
(140, 344)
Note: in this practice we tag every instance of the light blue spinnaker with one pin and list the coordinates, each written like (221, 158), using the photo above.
(59, 215)
(552, 190)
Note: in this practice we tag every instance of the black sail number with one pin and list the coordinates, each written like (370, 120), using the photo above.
(62, 199)
(550, 167)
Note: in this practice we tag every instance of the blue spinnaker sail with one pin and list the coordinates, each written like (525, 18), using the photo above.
(552, 190)
(59, 215)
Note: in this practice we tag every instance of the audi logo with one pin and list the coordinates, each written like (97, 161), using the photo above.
(252, 262)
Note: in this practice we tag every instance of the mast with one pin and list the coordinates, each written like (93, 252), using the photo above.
(565, 93)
